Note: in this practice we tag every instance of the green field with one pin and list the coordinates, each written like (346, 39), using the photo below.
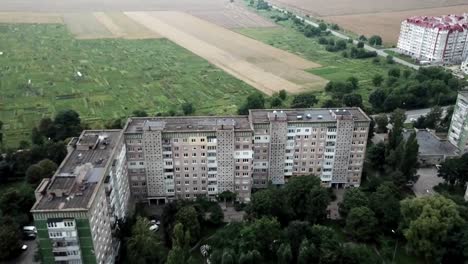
(335, 67)
(118, 77)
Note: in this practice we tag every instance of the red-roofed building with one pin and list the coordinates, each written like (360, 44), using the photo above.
(436, 40)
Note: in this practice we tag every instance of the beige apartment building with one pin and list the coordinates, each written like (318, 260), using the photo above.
(185, 157)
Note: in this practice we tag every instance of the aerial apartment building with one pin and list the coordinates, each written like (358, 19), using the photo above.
(458, 132)
(437, 40)
(76, 210)
(186, 157)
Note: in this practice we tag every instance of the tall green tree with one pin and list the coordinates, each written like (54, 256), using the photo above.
(409, 164)
(297, 194)
(259, 235)
(377, 80)
(307, 253)
(254, 101)
(385, 203)
(361, 223)
(426, 221)
(352, 198)
(455, 170)
(382, 123)
(188, 108)
(284, 254)
(397, 119)
(179, 254)
(11, 240)
(143, 246)
(304, 100)
(188, 217)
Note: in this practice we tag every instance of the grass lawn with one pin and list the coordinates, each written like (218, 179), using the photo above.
(119, 76)
(401, 56)
(334, 66)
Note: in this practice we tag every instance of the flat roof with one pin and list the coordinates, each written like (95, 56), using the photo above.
(429, 144)
(81, 172)
(187, 124)
(308, 114)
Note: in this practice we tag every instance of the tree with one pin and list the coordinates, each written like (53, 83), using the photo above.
(397, 119)
(48, 168)
(361, 223)
(352, 198)
(188, 109)
(116, 123)
(228, 257)
(409, 163)
(323, 26)
(362, 38)
(34, 174)
(46, 127)
(284, 254)
(179, 254)
(143, 246)
(304, 100)
(310, 31)
(390, 59)
(377, 99)
(254, 101)
(426, 221)
(295, 232)
(317, 203)
(17, 202)
(434, 117)
(376, 156)
(358, 254)
(140, 113)
(67, 123)
(375, 40)
(298, 195)
(188, 217)
(276, 101)
(377, 79)
(36, 137)
(10, 243)
(385, 203)
(455, 170)
(282, 94)
(270, 202)
(327, 243)
(307, 253)
(394, 72)
(354, 82)
(360, 45)
(259, 235)
(1, 132)
(216, 214)
(382, 123)
(353, 100)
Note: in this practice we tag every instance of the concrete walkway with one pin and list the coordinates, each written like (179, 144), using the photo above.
(379, 52)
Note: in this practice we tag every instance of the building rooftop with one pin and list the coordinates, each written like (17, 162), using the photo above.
(76, 180)
(429, 144)
(189, 123)
(307, 114)
(447, 22)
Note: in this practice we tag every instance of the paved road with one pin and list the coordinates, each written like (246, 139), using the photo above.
(381, 53)
(416, 113)
(426, 182)
(26, 257)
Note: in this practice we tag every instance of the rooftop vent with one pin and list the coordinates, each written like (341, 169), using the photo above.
(299, 117)
(320, 117)
(139, 128)
(189, 126)
(178, 127)
(309, 116)
(274, 111)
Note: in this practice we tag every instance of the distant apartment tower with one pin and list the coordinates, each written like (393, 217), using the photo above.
(438, 40)
(458, 132)
(186, 157)
(76, 210)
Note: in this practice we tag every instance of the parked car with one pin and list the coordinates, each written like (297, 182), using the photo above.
(154, 228)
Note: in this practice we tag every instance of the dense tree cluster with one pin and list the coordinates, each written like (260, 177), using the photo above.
(429, 86)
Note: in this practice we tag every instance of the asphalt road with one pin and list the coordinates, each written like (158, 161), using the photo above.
(426, 182)
(26, 257)
(416, 113)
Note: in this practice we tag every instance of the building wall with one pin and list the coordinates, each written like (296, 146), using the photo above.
(458, 132)
(433, 44)
(153, 164)
(79, 233)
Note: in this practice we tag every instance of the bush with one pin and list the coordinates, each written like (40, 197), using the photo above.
(323, 41)
(360, 45)
(375, 40)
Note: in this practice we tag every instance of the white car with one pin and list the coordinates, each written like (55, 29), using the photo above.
(24, 247)
(154, 228)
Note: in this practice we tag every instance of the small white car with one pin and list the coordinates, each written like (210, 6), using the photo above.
(24, 247)
(154, 228)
